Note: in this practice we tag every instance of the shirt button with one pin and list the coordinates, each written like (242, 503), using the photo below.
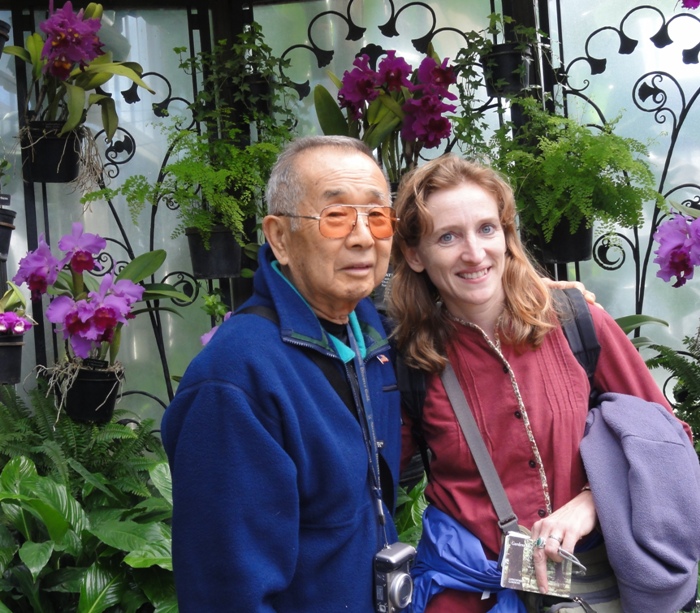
(542, 512)
(518, 414)
(532, 464)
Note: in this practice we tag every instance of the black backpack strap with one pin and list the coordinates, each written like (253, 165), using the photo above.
(577, 324)
(411, 383)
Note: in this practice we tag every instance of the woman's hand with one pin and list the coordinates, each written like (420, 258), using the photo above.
(588, 295)
(563, 528)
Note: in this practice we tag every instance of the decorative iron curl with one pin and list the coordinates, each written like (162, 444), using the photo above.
(187, 284)
(107, 264)
(648, 89)
(605, 248)
(120, 151)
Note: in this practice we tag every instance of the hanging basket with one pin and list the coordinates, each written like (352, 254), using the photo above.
(223, 258)
(564, 247)
(7, 217)
(4, 34)
(52, 158)
(11, 358)
(92, 396)
(507, 68)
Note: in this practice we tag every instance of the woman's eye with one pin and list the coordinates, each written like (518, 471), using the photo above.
(446, 238)
(488, 229)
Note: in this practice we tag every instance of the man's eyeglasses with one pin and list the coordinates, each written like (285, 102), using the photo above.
(339, 220)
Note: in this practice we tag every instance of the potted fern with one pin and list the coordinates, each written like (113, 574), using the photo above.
(567, 175)
(218, 169)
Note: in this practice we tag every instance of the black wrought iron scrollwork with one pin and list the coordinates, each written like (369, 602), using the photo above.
(660, 94)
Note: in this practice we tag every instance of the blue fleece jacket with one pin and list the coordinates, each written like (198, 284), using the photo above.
(271, 489)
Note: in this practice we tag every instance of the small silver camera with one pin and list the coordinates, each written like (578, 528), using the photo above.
(393, 586)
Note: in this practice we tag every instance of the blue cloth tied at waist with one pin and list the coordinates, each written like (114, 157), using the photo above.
(451, 557)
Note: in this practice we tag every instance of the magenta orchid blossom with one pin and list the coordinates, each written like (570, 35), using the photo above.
(12, 323)
(206, 337)
(679, 248)
(395, 108)
(71, 40)
(690, 4)
(90, 321)
(70, 69)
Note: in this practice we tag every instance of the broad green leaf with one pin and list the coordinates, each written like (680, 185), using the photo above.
(17, 472)
(126, 535)
(110, 119)
(8, 548)
(101, 589)
(143, 266)
(154, 309)
(20, 52)
(380, 131)
(4, 609)
(628, 323)
(157, 552)
(117, 68)
(330, 117)
(35, 556)
(167, 606)
(28, 587)
(156, 291)
(162, 480)
(75, 102)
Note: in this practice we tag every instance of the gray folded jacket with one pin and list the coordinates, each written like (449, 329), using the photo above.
(645, 478)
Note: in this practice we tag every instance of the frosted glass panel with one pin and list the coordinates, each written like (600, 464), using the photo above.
(653, 92)
(147, 37)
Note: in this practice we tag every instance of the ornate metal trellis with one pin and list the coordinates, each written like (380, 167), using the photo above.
(651, 96)
(118, 154)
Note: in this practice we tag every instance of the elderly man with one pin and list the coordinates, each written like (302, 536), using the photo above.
(283, 437)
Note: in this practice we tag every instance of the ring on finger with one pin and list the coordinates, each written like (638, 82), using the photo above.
(558, 539)
(539, 543)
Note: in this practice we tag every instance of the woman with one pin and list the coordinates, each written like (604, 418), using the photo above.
(464, 290)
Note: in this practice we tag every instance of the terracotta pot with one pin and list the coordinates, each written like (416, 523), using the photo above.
(52, 158)
(11, 358)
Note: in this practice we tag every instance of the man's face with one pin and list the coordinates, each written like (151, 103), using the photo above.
(334, 274)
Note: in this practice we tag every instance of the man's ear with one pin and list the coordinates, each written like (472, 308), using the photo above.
(276, 230)
(413, 259)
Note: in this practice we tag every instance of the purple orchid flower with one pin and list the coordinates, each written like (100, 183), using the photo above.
(678, 251)
(360, 86)
(690, 4)
(11, 323)
(424, 120)
(39, 269)
(70, 40)
(205, 338)
(394, 72)
(80, 247)
(436, 79)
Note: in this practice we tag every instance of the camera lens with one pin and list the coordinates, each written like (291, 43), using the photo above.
(401, 590)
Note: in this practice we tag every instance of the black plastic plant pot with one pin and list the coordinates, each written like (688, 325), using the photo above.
(4, 34)
(223, 258)
(7, 217)
(52, 158)
(507, 69)
(11, 358)
(93, 396)
(564, 247)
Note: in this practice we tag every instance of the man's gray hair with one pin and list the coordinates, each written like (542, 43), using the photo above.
(286, 188)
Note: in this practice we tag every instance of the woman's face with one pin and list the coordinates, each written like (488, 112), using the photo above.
(464, 255)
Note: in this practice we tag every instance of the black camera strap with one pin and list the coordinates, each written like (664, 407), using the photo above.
(366, 419)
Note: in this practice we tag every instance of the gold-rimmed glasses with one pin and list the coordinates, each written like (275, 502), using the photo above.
(339, 220)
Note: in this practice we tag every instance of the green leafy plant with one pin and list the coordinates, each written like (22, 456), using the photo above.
(685, 370)
(84, 519)
(410, 504)
(216, 175)
(563, 170)
(61, 86)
